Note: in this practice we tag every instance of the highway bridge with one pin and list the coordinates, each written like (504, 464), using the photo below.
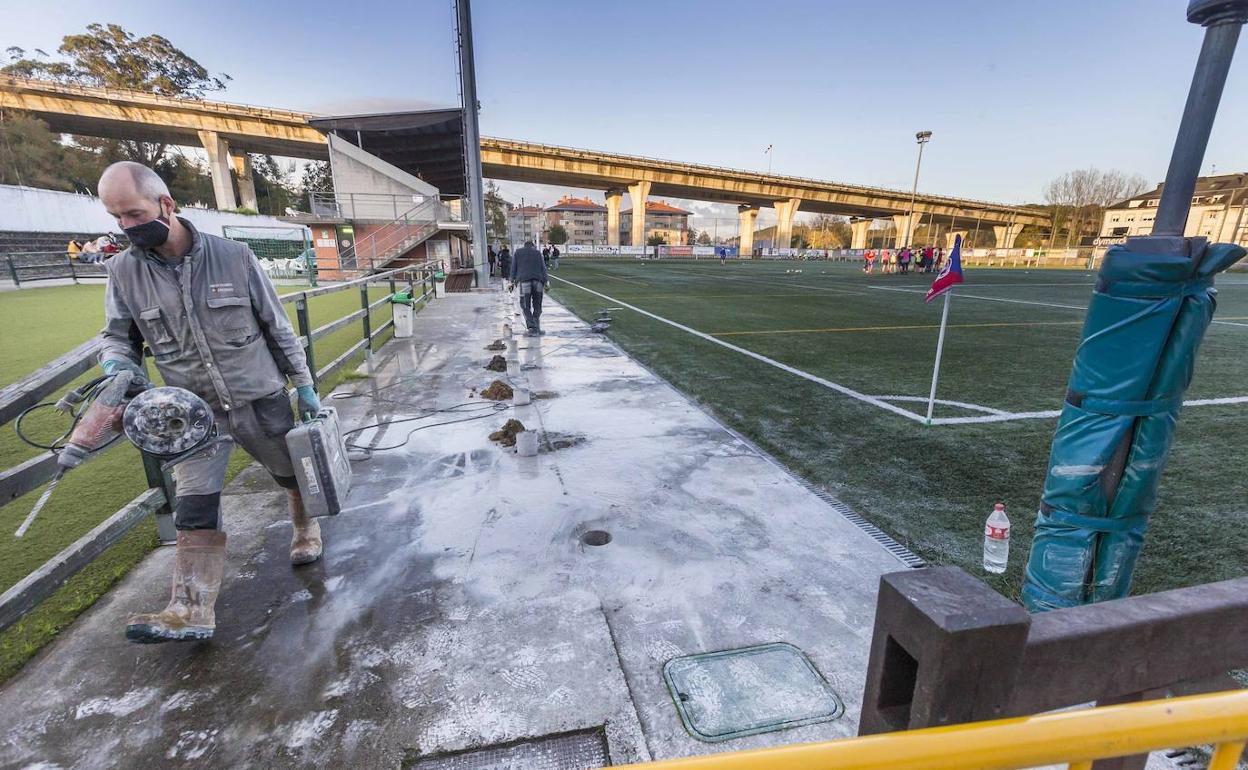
(429, 144)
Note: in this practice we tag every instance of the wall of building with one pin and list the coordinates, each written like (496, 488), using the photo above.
(1216, 222)
(29, 209)
(356, 171)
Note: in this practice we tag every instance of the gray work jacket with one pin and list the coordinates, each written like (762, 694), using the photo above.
(215, 327)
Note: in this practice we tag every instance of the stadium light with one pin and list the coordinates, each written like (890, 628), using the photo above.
(922, 137)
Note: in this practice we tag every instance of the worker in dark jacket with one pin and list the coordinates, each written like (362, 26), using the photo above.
(528, 270)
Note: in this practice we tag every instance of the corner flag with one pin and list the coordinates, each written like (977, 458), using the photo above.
(950, 274)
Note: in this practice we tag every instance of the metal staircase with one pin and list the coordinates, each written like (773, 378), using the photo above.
(395, 239)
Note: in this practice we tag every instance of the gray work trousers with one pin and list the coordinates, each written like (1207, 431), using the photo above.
(260, 428)
(531, 303)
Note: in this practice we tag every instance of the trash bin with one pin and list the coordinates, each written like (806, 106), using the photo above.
(439, 284)
(404, 311)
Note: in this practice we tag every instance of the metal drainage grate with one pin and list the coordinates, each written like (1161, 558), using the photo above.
(580, 750)
(734, 693)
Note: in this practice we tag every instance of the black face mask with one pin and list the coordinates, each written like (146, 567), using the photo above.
(149, 235)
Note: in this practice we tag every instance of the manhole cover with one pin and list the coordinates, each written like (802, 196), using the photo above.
(581, 750)
(596, 537)
(733, 693)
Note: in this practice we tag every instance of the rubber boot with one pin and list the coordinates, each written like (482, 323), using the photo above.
(197, 571)
(305, 542)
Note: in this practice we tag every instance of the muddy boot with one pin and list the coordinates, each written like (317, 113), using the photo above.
(197, 571)
(305, 543)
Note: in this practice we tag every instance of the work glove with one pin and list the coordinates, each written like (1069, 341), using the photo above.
(309, 402)
(138, 384)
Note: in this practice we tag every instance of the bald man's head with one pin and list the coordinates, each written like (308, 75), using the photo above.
(134, 194)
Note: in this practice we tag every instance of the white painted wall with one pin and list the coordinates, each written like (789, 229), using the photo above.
(48, 211)
(385, 191)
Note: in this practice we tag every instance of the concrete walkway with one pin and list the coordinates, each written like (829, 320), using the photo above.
(456, 606)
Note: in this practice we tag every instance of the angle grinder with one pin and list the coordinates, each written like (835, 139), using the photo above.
(172, 424)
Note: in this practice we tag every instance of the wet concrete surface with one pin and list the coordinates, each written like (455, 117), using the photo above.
(456, 605)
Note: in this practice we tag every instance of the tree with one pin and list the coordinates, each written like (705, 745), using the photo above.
(557, 235)
(275, 190)
(107, 56)
(691, 236)
(495, 214)
(656, 240)
(315, 178)
(704, 238)
(827, 231)
(1079, 197)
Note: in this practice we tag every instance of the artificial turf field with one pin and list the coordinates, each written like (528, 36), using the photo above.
(861, 434)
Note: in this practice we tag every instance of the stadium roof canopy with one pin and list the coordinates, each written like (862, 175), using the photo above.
(425, 143)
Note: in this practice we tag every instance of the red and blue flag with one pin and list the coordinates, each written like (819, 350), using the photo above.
(950, 275)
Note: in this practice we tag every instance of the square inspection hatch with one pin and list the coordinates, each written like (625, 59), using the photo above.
(579, 750)
(733, 693)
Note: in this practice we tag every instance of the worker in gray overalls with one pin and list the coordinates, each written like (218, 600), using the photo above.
(214, 325)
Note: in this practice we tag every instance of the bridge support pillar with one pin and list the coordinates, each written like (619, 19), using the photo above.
(949, 237)
(1006, 235)
(746, 216)
(905, 233)
(860, 230)
(614, 198)
(785, 211)
(246, 180)
(219, 167)
(638, 192)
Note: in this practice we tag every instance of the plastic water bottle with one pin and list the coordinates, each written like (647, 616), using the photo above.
(996, 540)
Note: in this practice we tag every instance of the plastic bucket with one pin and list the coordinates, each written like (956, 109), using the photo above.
(520, 397)
(526, 443)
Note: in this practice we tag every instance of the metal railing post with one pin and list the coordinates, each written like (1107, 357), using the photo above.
(13, 270)
(72, 273)
(368, 325)
(305, 331)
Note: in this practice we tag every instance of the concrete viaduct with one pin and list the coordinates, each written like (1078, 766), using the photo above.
(228, 132)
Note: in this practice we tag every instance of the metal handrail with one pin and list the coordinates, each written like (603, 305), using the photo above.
(390, 239)
(1077, 738)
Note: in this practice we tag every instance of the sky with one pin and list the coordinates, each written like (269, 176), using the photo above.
(1014, 92)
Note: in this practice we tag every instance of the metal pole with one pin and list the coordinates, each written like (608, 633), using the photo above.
(472, 136)
(940, 348)
(1222, 22)
(368, 323)
(922, 137)
(305, 331)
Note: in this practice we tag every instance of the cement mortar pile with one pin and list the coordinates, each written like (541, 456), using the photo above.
(498, 391)
(506, 435)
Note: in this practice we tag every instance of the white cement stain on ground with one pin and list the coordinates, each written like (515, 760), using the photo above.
(307, 731)
(193, 744)
(117, 707)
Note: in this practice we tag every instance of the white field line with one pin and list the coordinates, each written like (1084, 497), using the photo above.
(960, 295)
(882, 402)
(1019, 301)
(1010, 416)
(947, 402)
(758, 357)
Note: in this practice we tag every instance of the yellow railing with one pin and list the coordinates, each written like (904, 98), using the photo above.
(1076, 738)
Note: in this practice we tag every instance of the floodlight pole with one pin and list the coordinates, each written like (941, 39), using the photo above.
(472, 139)
(1221, 20)
(923, 137)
